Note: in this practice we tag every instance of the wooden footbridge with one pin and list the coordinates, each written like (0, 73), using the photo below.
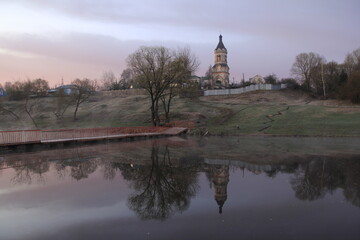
(14, 138)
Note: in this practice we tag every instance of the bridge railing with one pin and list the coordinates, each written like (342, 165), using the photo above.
(20, 137)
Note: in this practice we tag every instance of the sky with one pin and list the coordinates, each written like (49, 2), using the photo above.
(67, 39)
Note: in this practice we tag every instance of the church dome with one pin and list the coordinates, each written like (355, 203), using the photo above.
(220, 44)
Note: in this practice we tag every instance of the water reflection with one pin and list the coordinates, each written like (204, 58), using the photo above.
(28, 172)
(162, 187)
(163, 175)
(315, 179)
(219, 176)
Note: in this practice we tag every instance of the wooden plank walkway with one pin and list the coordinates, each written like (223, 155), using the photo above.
(175, 131)
(14, 138)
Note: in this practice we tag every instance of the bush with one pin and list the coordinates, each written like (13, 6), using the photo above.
(15, 91)
(351, 89)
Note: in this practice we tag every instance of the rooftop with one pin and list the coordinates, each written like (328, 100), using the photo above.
(220, 44)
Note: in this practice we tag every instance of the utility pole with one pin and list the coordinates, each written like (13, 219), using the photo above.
(322, 79)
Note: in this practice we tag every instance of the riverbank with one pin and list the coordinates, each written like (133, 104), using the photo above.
(266, 113)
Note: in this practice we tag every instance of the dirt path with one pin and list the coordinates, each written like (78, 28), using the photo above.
(271, 119)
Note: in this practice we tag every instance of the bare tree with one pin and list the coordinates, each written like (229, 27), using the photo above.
(39, 87)
(305, 66)
(155, 69)
(208, 72)
(148, 65)
(4, 110)
(352, 62)
(14, 91)
(63, 102)
(32, 91)
(179, 73)
(29, 106)
(85, 88)
(126, 79)
(110, 81)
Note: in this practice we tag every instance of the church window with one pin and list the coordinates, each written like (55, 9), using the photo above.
(218, 58)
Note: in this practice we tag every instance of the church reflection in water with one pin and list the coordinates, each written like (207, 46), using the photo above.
(164, 178)
(219, 175)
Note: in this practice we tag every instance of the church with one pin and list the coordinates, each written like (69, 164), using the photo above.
(220, 70)
(218, 77)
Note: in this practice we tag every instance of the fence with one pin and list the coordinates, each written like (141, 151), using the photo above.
(244, 89)
(38, 136)
(11, 137)
(125, 92)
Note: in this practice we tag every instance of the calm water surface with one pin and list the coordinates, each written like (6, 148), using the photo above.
(215, 188)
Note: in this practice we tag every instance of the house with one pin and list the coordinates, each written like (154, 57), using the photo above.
(65, 89)
(2, 92)
(257, 80)
(203, 82)
(195, 78)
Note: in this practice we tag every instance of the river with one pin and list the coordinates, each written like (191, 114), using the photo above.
(184, 188)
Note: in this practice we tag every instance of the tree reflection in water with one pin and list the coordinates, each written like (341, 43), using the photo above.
(165, 184)
(28, 172)
(313, 180)
(162, 187)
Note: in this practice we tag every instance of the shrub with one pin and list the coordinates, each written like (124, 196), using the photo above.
(352, 88)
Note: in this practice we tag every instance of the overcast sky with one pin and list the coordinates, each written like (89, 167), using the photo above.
(69, 39)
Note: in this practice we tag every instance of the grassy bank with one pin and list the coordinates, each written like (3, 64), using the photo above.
(261, 113)
(290, 120)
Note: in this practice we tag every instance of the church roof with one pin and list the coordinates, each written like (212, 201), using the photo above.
(221, 64)
(220, 44)
(220, 203)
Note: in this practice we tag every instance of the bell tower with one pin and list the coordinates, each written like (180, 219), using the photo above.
(220, 70)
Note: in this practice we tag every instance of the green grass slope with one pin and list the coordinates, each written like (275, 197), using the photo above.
(284, 112)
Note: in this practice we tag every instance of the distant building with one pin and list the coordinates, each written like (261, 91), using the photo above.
(204, 82)
(2, 92)
(195, 79)
(65, 89)
(257, 80)
(220, 70)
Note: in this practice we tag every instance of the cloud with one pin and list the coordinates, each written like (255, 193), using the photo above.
(76, 47)
(261, 18)
(83, 38)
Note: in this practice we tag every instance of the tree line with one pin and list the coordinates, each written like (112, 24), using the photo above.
(30, 93)
(164, 73)
(329, 79)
